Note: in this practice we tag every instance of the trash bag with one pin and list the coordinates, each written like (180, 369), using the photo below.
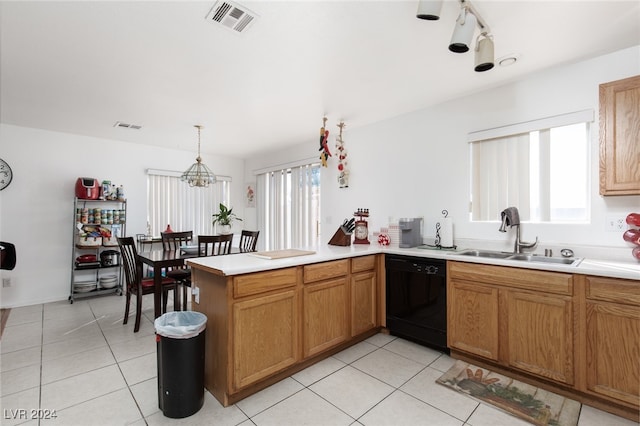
(181, 324)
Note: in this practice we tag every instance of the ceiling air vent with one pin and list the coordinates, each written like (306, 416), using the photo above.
(127, 126)
(231, 15)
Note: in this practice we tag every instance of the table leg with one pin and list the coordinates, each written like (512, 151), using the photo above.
(157, 293)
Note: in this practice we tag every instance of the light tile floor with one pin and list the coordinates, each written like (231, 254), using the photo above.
(79, 360)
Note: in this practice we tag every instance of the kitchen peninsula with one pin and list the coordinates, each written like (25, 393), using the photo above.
(268, 319)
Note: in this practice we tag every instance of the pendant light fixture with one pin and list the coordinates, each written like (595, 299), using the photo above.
(198, 174)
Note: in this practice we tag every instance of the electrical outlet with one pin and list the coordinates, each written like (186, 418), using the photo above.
(195, 291)
(6, 282)
(616, 224)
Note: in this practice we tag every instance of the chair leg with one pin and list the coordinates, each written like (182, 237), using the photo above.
(176, 299)
(165, 296)
(138, 313)
(126, 308)
(184, 297)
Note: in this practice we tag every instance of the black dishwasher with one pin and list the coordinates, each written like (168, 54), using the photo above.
(417, 299)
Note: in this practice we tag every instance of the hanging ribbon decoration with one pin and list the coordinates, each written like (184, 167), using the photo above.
(343, 172)
(324, 148)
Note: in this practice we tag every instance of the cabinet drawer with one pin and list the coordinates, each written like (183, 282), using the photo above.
(363, 263)
(255, 283)
(613, 290)
(529, 279)
(325, 270)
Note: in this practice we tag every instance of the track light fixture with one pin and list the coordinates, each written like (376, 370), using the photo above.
(429, 9)
(484, 53)
(463, 32)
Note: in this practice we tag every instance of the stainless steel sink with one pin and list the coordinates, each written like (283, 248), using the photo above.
(573, 261)
(524, 257)
(485, 253)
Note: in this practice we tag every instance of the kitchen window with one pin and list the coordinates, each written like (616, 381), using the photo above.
(171, 201)
(288, 202)
(541, 167)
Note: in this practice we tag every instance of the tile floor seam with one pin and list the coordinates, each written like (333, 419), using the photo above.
(440, 409)
(128, 386)
(332, 404)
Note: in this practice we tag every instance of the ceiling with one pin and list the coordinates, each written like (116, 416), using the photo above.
(80, 66)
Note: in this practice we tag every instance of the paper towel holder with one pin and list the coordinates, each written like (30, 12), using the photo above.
(445, 213)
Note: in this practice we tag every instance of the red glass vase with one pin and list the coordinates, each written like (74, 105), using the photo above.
(632, 236)
(633, 219)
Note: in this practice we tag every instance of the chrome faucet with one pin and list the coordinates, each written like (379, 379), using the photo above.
(511, 217)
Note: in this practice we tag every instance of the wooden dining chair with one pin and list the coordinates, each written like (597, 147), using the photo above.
(139, 286)
(172, 241)
(214, 245)
(208, 245)
(248, 241)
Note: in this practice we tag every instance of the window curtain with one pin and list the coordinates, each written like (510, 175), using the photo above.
(288, 203)
(171, 201)
(500, 177)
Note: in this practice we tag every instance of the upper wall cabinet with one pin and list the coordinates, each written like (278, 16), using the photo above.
(620, 137)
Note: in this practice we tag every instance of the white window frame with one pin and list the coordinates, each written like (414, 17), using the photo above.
(171, 201)
(512, 166)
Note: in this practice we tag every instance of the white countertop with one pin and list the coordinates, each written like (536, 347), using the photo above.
(246, 263)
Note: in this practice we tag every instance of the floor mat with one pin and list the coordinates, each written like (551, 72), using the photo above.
(527, 402)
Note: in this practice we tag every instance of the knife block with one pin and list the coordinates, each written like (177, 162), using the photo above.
(341, 238)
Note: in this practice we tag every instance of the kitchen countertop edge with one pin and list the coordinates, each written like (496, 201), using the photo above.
(245, 263)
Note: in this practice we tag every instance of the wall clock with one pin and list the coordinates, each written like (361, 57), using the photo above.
(6, 175)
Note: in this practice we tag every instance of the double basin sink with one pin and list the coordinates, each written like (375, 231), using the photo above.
(523, 257)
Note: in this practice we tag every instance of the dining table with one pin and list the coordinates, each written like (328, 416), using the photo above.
(160, 260)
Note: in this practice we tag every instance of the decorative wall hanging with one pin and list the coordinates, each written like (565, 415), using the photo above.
(343, 171)
(324, 148)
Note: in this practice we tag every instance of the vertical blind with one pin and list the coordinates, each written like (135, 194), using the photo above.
(289, 207)
(171, 201)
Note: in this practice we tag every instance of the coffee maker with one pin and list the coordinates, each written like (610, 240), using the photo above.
(410, 232)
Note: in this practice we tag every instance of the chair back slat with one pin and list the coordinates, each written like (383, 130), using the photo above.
(131, 265)
(248, 241)
(214, 245)
(173, 240)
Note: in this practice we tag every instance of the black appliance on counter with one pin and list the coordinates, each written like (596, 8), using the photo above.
(416, 290)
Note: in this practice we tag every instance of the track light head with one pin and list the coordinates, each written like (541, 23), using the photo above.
(484, 53)
(463, 31)
(429, 9)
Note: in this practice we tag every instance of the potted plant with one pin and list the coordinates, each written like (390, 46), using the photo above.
(225, 218)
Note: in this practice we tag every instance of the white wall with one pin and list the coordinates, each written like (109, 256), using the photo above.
(36, 210)
(418, 164)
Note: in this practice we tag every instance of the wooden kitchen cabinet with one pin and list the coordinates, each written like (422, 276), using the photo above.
(325, 315)
(472, 317)
(612, 327)
(518, 318)
(364, 312)
(619, 136)
(264, 325)
(265, 336)
(540, 334)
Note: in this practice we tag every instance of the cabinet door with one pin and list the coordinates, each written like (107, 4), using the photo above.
(619, 135)
(265, 336)
(472, 315)
(363, 302)
(540, 333)
(613, 350)
(325, 313)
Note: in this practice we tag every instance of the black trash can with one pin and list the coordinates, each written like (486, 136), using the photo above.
(180, 350)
